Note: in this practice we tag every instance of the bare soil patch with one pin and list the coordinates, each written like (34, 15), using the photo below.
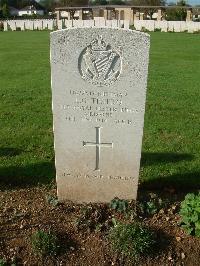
(24, 211)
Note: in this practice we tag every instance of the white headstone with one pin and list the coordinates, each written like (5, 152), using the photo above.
(78, 23)
(126, 24)
(12, 24)
(114, 23)
(99, 85)
(22, 25)
(60, 22)
(177, 26)
(164, 26)
(69, 23)
(150, 25)
(5, 26)
(88, 23)
(190, 26)
(171, 26)
(138, 24)
(183, 26)
(45, 24)
(50, 24)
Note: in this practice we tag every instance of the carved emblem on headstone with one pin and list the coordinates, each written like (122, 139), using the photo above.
(99, 63)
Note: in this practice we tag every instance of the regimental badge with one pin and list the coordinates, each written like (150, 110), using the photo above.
(99, 64)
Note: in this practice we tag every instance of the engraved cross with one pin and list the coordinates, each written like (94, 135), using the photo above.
(98, 145)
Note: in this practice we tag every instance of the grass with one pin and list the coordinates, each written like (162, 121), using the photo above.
(171, 141)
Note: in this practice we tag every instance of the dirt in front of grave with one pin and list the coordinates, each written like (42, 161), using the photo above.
(24, 211)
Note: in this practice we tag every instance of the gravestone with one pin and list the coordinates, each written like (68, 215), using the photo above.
(126, 24)
(12, 24)
(177, 26)
(50, 24)
(5, 26)
(114, 23)
(164, 26)
(99, 79)
(183, 26)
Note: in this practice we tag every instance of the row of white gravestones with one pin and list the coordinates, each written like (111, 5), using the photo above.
(37, 24)
(99, 88)
(97, 22)
(167, 26)
(63, 23)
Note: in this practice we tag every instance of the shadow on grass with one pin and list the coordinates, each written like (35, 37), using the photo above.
(180, 182)
(30, 175)
(152, 158)
(9, 152)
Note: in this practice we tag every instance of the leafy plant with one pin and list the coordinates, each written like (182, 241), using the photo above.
(52, 200)
(151, 205)
(131, 240)
(44, 243)
(190, 214)
(93, 218)
(3, 262)
(119, 205)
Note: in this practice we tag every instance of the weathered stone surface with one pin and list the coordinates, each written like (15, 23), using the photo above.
(99, 78)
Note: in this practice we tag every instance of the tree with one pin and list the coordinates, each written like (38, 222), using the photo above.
(5, 11)
(148, 2)
(98, 2)
(177, 13)
(49, 5)
(73, 2)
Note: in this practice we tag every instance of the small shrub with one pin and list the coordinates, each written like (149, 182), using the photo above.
(190, 214)
(119, 205)
(93, 218)
(151, 205)
(157, 30)
(52, 200)
(3, 262)
(144, 29)
(131, 240)
(132, 27)
(44, 243)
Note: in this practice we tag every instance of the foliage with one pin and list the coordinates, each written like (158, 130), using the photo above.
(157, 30)
(98, 2)
(44, 243)
(5, 11)
(93, 218)
(3, 262)
(131, 240)
(116, 2)
(119, 205)
(52, 200)
(190, 214)
(176, 14)
(148, 2)
(151, 205)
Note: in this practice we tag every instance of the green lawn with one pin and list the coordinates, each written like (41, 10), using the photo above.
(171, 145)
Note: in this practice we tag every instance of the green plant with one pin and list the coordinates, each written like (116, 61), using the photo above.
(93, 218)
(52, 200)
(3, 262)
(44, 243)
(190, 214)
(131, 240)
(119, 205)
(157, 30)
(151, 205)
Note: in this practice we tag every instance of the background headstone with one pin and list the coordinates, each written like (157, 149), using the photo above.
(99, 79)
(5, 26)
